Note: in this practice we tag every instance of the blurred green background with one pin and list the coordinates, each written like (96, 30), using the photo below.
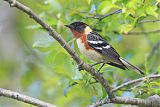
(33, 63)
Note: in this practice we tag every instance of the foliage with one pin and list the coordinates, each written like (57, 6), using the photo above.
(47, 71)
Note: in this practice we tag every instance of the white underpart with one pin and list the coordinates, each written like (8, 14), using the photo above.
(95, 42)
(90, 54)
(107, 47)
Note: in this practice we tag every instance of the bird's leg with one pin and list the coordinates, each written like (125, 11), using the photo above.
(101, 67)
(97, 63)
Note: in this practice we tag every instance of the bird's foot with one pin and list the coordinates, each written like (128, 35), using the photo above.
(80, 67)
(96, 63)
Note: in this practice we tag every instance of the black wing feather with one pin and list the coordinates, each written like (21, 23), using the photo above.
(110, 53)
(117, 65)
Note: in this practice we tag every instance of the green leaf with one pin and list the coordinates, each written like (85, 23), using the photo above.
(44, 44)
(140, 12)
(125, 28)
(89, 1)
(106, 6)
(157, 91)
(68, 87)
(151, 10)
(78, 75)
(114, 1)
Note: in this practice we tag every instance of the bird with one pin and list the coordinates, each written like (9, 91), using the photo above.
(94, 47)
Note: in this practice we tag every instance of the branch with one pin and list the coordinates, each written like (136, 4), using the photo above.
(24, 98)
(148, 21)
(123, 100)
(101, 17)
(152, 101)
(146, 35)
(63, 43)
(100, 103)
(154, 49)
(126, 100)
(143, 32)
(135, 81)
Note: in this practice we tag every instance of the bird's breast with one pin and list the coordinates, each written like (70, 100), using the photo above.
(87, 51)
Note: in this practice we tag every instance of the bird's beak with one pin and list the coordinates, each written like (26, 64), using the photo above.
(66, 25)
(69, 26)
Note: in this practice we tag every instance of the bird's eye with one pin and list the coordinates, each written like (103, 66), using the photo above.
(79, 28)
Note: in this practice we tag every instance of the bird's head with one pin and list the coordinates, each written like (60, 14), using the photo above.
(79, 28)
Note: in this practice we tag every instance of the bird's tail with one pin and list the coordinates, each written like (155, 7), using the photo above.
(130, 66)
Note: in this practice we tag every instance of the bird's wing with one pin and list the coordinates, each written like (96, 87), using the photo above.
(100, 45)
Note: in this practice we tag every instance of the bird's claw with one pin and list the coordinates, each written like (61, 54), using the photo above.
(101, 73)
(80, 67)
(96, 63)
(91, 65)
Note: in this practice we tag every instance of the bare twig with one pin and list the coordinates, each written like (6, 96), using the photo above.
(146, 35)
(143, 32)
(148, 21)
(24, 98)
(135, 81)
(101, 17)
(154, 49)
